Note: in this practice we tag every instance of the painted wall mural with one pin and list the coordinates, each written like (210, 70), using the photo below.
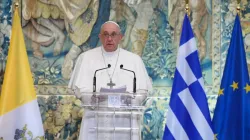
(56, 32)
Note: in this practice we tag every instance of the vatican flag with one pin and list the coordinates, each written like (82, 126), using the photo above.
(19, 112)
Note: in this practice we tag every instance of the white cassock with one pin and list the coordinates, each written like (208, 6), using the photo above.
(82, 80)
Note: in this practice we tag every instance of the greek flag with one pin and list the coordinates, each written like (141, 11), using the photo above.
(188, 114)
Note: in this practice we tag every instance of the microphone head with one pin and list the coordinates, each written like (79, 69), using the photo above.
(121, 66)
(109, 65)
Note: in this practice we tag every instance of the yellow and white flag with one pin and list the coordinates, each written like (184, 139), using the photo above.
(19, 112)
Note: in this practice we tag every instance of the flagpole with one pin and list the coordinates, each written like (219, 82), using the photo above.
(238, 7)
(187, 7)
(16, 5)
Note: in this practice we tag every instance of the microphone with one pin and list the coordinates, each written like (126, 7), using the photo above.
(94, 79)
(134, 82)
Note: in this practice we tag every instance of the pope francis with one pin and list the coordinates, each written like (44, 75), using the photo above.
(109, 54)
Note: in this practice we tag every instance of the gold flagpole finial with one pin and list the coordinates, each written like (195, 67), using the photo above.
(187, 7)
(238, 6)
(16, 4)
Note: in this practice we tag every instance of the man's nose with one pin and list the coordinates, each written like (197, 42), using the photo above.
(109, 38)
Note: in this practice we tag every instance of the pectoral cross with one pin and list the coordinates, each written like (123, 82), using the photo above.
(111, 84)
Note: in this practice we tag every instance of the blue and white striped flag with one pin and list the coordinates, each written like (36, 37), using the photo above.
(188, 114)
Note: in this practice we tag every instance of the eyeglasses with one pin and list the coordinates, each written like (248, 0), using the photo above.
(112, 35)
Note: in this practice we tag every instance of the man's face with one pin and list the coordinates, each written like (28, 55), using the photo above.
(110, 37)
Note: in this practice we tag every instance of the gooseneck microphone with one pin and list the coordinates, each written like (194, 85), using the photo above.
(134, 82)
(94, 79)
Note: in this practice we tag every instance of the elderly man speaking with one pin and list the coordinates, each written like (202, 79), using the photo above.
(112, 57)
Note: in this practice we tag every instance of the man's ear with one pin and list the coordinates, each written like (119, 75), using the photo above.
(121, 36)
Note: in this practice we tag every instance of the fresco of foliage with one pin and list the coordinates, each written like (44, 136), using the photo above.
(5, 28)
(159, 53)
(228, 12)
(61, 116)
